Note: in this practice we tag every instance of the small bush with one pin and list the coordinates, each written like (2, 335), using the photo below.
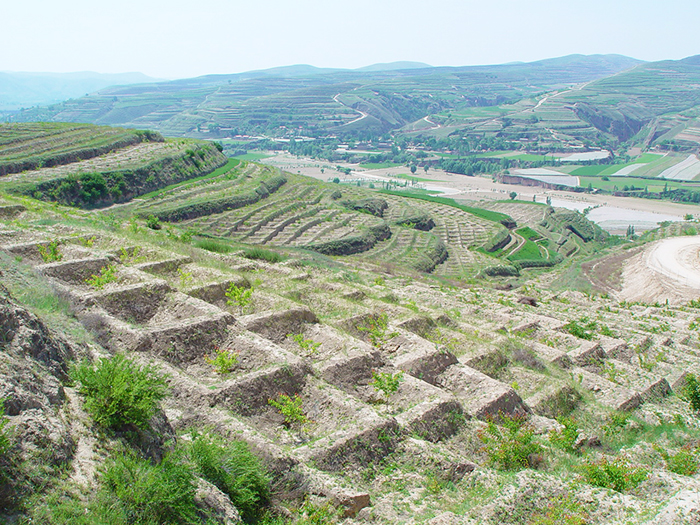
(684, 462)
(263, 255)
(5, 442)
(691, 391)
(513, 447)
(238, 295)
(150, 494)
(213, 246)
(223, 361)
(565, 439)
(618, 474)
(583, 328)
(309, 346)
(118, 392)
(153, 222)
(50, 253)
(290, 408)
(386, 382)
(107, 275)
(232, 467)
(560, 510)
(376, 329)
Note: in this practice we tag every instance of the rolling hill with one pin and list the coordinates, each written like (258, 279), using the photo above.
(316, 102)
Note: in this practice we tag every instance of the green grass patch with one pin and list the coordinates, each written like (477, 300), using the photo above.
(489, 215)
(379, 165)
(253, 157)
(231, 164)
(528, 233)
(262, 254)
(530, 251)
(212, 245)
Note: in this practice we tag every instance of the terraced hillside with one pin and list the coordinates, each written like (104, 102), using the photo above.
(370, 396)
(88, 165)
(645, 105)
(260, 205)
(314, 102)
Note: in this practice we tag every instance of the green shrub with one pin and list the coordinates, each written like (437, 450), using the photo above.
(223, 361)
(50, 253)
(691, 391)
(307, 345)
(375, 327)
(291, 408)
(618, 474)
(153, 222)
(213, 246)
(565, 439)
(5, 442)
(386, 382)
(583, 328)
(512, 447)
(238, 295)
(263, 255)
(150, 494)
(232, 467)
(684, 462)
(108, 274)
(560, 510)
(118, 392)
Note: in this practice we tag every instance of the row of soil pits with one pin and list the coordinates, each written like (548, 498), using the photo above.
(38, 253)
(480, 395)
(152, 318)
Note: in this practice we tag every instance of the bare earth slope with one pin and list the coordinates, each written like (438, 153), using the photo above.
(667, 270)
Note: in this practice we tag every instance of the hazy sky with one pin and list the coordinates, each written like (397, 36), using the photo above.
(176, 38)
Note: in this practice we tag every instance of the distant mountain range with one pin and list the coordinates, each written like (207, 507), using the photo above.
(302, 99)
(22, 90)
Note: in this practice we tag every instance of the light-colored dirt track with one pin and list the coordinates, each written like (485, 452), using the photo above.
(667, 270)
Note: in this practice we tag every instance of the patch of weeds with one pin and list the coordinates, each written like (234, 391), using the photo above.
(107, 275)
(376, 327)
(213, 246)
(147, 493)
(87, 242)
(223, 361)
(119, 392)
(239, 296)
(611, 371)
(386, 382)
(153, 222)
(310, 514)
(691, 391)
(379, 281)
(131, 255)
(616, 421)
(262, 254)
(565, 439)
(582, 328)
(185, 277)
(684, 462)
(291, 408)
(511, 447)
(134, 225)
(606, 331)
(50, 253)
(617, 474)
(560, 510)
(232, 467)
(309, 346)
(5, 442)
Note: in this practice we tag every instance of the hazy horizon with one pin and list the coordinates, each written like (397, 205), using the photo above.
(173, 39)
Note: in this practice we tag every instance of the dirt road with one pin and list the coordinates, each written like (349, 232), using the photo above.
(667, 270)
